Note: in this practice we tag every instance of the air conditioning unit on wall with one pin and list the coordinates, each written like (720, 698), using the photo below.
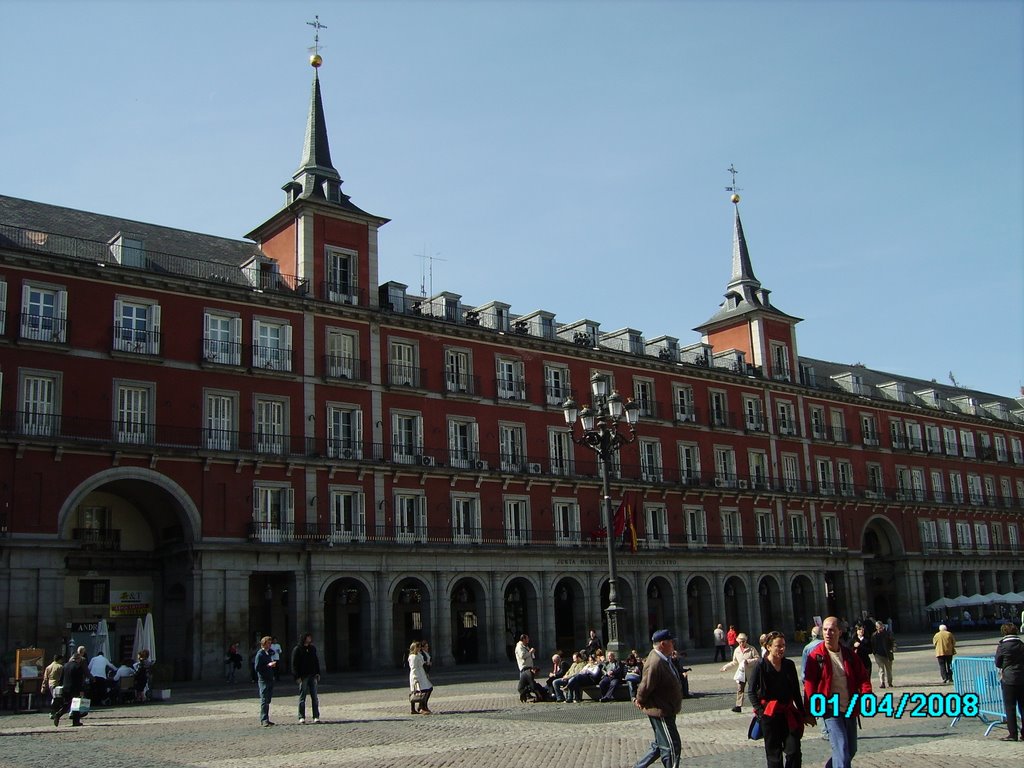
(426, 461)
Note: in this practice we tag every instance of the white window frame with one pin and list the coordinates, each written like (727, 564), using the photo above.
(682, 399)
(463, 442)
(44, 321)
(344, 431)
(967, 443)
(518, 530)
(39, 402)
(560, 447)
(981, 540)
(222, 338)
(403, 370)
(781, 369)
(271, 344)
(1000, 445)
(556, 384)
(932, 438)
(825, 475)
(458, 370)
(651, 469)
(273, 512)
(831, 536)
(466, 518)
(845, 477)
(869, 428)
(347, 514)
(512, 446)
(798, 536)
(270, 425)
(725, 466)
(510, 374)
(136, 326)
(791, 473)
(643, 395)
(817, 416)
(938, 486)
(786, 417)
(406, 436)
(696, 526)
(336, 262)
(732, 527)
(410, 516)
(963, 536)
(656, 526)
(719, 401)
(949, 439)
(689, 463)
(1006, 491)
(956, 487)
(764, 525)
(757, 463)
(567, 522)
(134, 411)
(753, 413)
(220, 420)
(342, 353)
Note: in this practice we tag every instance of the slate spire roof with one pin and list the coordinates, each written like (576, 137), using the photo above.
(316, 151)
(744, 293)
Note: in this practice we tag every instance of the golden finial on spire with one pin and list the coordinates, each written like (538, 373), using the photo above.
(735, 198)
(316, 59)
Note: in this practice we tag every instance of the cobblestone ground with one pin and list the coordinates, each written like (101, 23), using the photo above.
(478, 721)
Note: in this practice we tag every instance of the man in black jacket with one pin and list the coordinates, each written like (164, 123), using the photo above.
(73, 682)
(306, 668)
(614, 676)
(1010, 659)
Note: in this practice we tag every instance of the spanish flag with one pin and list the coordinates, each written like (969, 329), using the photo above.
(619, 520)
(632, 529)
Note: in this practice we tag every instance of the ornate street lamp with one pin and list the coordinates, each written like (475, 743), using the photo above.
(601, 423)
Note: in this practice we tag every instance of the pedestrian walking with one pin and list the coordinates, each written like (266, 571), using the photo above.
(232, 663)
(720, 644)
(834, 670)
(743, 658)
(778, 704)
(660, 697)
(264, 666)
(882, 648)
(420, 686)
(72, 686)
(945, 648)
(1010, 662)
(306, 670)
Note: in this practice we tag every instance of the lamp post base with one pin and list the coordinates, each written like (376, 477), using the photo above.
(613, 613)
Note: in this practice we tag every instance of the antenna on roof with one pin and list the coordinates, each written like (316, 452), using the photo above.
(423, 267)
(316, 60)
(732, 187)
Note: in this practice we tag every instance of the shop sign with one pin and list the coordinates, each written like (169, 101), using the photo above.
(129, 603)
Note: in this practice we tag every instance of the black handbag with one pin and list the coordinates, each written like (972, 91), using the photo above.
(417, 697)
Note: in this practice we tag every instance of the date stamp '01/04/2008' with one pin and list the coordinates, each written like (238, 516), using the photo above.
(891, 705)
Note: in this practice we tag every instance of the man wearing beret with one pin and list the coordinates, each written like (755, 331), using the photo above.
(660, 696)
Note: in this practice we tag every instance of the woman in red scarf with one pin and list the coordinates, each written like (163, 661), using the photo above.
(778, 703)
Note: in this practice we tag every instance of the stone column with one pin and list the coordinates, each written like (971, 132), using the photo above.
(441, 642)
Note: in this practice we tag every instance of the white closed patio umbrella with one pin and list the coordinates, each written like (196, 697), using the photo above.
(150, 637)
(102, 641)
(140, 638)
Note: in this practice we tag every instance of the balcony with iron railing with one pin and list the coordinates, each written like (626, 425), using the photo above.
(343, 367)
(720, 419)
(514, 390)
(48, 330)
(476, 537)
(103, 539)
(342, 293)
(135, 341)
(403, 375)
(456, 383)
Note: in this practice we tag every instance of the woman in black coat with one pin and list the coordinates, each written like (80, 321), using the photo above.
(774, 693)
(1010, 659)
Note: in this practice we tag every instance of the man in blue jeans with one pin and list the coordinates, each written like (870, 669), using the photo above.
(835, 670)
(264, 666)
(306, 668)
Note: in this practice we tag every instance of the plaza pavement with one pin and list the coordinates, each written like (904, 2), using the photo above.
(478, 721)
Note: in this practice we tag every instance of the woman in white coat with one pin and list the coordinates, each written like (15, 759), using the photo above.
(743, 658)
(418, 681)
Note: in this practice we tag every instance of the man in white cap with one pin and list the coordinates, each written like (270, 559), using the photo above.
(660, 696)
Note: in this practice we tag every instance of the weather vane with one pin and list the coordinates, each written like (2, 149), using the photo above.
(316, 60)
(732, 187)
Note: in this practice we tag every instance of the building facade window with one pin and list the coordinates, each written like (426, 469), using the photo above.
(933, 441)
(463, 443)
(781, 370)
(725, 467)
(44, 313)
(511, 381)
(560, 447)
(1000, 444)
(650, 460)
(406, 437)
(682, 397)
(342, 354)
(949, 438)
(967, 443)
(270, 427)
(956, 487)
(798, 531)
(348, 515)
(938, 487)
(458, 371)
(696, 527)
(466, 518)
(344, 431)
(869, 428)
(517, 521)
(222, 338)
(845, 478)
(826, 478)
(567, 522)
(656, 519)
(273, 510)
(137, 326)
(830, 525)
(39, 401)
(719, 408)
(512, 447)
(752, 413)
(133, 413)
(786, 418)
(914, 441)
(757, 461)
(838, 425)
(817, 422)
(342, 270)
(556, 384)
(732, 529)
(689, 463)
(402, 370)
(876, 484)
(272, 345)
(410, 516)
(765, 523)
(220, 421)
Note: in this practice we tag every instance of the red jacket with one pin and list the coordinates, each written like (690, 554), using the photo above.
(818, 673)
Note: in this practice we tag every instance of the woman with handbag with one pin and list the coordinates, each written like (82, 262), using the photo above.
(743, 658)
(419, 684)
(778, 703)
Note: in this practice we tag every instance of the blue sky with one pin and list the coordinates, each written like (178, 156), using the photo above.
(571, 156)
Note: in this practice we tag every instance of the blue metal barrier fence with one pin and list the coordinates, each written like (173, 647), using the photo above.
(978, 675)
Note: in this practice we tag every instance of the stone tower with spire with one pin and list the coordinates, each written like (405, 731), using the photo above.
(747, 322)
(320, 236)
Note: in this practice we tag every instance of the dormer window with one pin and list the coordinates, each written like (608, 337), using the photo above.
(128, 251)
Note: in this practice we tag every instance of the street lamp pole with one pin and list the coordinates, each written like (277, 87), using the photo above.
(601, 433)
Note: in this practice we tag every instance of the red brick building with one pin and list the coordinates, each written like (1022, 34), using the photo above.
(257, 436)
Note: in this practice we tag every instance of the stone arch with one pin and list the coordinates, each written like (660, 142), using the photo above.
(348, 617)
(884, 567)
(125, 482)
(570, 615)
(700, 606)
(769, 605)
(468, 604)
